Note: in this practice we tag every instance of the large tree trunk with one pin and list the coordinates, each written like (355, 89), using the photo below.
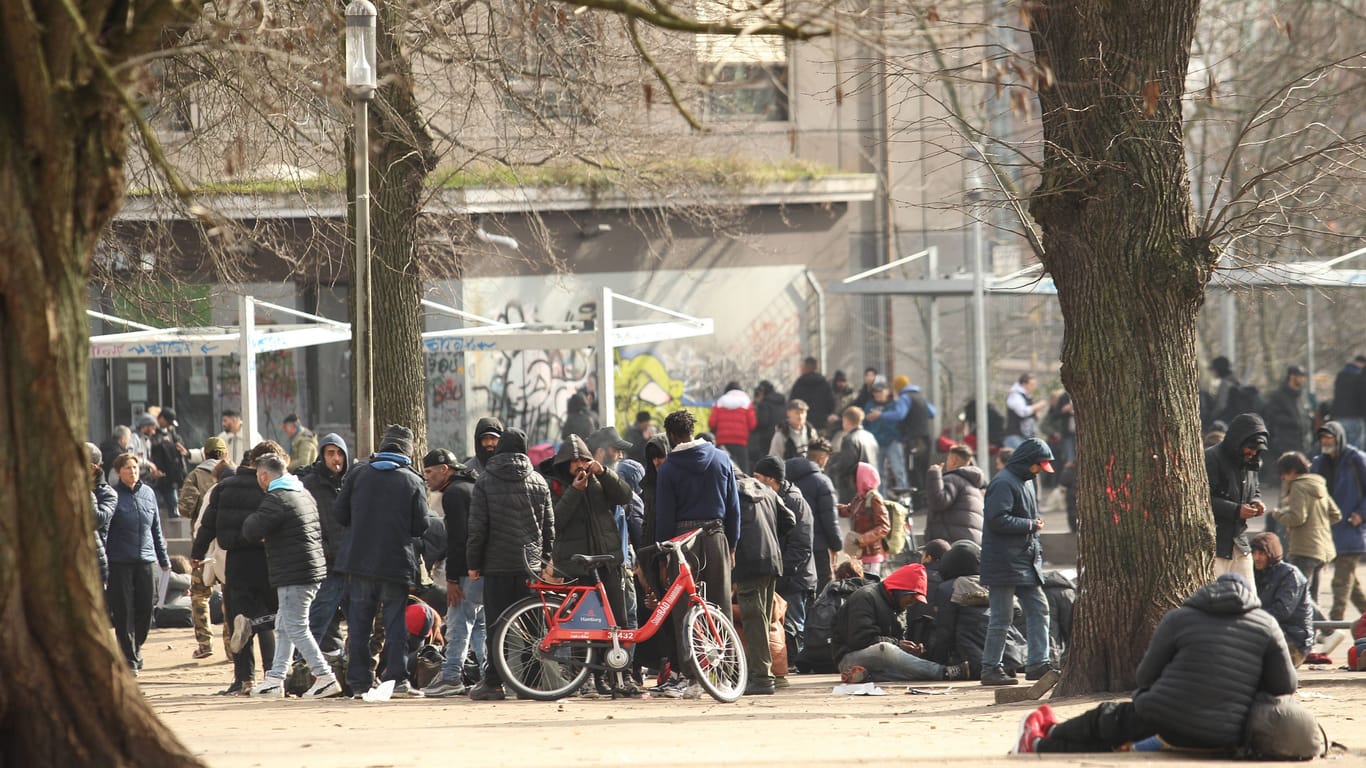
(1115, 207)
(66, 695)
(401, 159)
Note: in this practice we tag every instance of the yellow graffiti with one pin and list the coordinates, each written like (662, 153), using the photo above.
(644, 384)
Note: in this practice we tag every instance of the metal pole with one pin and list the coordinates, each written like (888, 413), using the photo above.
(932, 388)
(1230, 329)
(246, 352)
(360, 334)
(1309, 339)
(820, 319)
(607, 400)
(979, 329)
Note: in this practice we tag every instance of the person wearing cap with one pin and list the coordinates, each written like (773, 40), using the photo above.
(867, 636)
(170, 456)
(1289, 414)
(303, 444)
(1349, 401)
(638, 434)
(453, 484)
(808, 474)
(383, 506)
(607, 446)
(797, 584)
(487, 431)
(791, 438)
(238, 443)
(1012, 562)
(1343, 467)
(1233, 467)
(198, 483)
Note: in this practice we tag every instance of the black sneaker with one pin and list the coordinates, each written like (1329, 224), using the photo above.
(484, 692)
(1038, 670)
(957, 672)
(998, 676)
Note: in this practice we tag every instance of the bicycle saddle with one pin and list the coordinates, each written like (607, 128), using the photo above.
(592, 559)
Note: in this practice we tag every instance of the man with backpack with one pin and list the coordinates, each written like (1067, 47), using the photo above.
(764, 522)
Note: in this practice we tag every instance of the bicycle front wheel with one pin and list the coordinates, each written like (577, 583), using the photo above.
(713, 653)
(516, 653)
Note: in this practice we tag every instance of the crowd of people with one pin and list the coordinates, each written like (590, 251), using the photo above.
(804, 541)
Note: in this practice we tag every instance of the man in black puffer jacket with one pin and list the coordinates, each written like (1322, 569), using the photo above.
(1207, 661)
(808, 474)
(511, 528)
(287, 521)
(323, 480)
(383, 504)
(249, 601)
(954, 492)
(1235, 491)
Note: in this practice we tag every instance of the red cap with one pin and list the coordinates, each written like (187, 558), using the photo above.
(1046, 466)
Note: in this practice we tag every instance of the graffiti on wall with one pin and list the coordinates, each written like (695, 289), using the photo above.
(446, 401)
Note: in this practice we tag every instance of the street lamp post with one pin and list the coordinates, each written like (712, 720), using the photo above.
(360, 84)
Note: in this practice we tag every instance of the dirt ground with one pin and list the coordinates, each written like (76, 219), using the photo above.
(802, 725)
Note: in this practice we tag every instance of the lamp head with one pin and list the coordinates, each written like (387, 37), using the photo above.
(360, 48)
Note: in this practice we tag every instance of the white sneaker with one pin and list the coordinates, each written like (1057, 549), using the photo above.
(324, 687)
(271, 688)
(1331, 641)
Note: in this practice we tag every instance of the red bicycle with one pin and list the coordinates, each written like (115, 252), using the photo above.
(546, 645)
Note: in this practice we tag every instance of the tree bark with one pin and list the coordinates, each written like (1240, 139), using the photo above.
(66, 695)
(1115, 208)
(401, 158)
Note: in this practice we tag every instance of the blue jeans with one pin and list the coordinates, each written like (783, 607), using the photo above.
(1035, 607)
(1355, 429)
(291, 631)
(886, 662)
(1012, 441)
(365, 595)
(465, 624)
(322, 615)
(894, 455)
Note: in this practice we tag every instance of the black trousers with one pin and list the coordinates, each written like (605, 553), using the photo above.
(131, 596)
(1103, 729)
(258, 605)
(501, 590)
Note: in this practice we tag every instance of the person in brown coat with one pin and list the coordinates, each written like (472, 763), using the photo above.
(870, 520)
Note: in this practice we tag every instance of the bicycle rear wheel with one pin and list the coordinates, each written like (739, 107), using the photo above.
(712, 653)
(516, 642)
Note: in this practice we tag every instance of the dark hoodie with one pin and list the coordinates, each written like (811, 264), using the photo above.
(657, 446)
(324, 486)
(955, 504)
(1207, 661)
(1233, 481)
(1011, 553)
(512, 522)
(585, 521)
(696, 483)
(1345, 474)
(872, 614)
(383, 505)
(485, 426)
(819, 493)
(579, 420)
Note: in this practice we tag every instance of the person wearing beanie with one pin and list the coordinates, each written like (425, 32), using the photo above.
(487, 431)
(868, 631)
(383, 506)
(511, 528)
(198, 483)
(797, 584)
(323, 480)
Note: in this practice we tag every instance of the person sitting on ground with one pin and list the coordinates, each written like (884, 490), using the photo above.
(961, 614)
(1284, 594)
(920, 616)
(868, 633)
(1308, 513)
(1207, 662)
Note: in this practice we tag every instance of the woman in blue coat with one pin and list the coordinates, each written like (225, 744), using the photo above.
(134, 543)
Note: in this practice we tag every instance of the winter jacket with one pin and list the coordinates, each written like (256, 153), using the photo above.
(585, 522)
(1308, 512)
(324, 486)
(788, 443)
(1349, 393)
(1206, 662)
(1233, 482)
(105, 501)
(819, 493)
(886, 428)
(135, 529)
(1345, 473)
(859, 446)
(166, 455)
(303, 449)
(918, 423)
(512, 521)
(199, 481)
(288, 522)
(696, 482)
(770, 412)
(1020, 418)
(1011, 551)
(764, 521)
(813, 389)
(799, 571)
(1289, 418)
(867, 618)
(579, 421)
(960, 627)
(456, 499)
(732, 418)
(955, 504)
(1284, 593)
(870, 520)
(383, 505)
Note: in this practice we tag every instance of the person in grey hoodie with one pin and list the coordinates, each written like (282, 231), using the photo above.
(954, 490)
(323, 480)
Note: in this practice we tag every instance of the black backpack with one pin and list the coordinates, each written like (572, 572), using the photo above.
(819, 653)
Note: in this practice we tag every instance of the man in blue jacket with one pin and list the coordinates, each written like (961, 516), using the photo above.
(383, 506)
(1012, 562)
(1344, 469)
(882, 417)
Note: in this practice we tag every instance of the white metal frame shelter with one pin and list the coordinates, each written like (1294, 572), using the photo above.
(607, 335)
(246, 340)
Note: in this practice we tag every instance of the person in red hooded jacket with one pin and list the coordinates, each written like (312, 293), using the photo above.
(869, 636)
(732, 419)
